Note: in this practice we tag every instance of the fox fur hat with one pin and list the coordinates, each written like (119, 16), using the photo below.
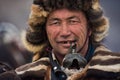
(35, 39)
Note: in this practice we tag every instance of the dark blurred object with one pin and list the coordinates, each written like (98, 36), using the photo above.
(4, 67)
(12, 51)
(7, 72)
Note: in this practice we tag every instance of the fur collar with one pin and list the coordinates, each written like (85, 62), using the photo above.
(103, 65)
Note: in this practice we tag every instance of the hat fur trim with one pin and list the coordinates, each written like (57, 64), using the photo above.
(31, 47)
(37, 17)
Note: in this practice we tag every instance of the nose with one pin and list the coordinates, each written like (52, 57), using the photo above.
(65, 31)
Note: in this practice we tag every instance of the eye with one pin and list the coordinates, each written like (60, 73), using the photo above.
(74, 21)
(54, 22)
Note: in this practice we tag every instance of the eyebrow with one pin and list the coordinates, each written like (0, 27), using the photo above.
(72, 17)
(52, 19)
(57, 19)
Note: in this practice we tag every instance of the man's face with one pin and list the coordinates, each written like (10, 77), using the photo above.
(65, 27)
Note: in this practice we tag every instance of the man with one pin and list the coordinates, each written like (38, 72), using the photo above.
(65, 37)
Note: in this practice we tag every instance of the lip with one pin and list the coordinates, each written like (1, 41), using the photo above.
(66, 43)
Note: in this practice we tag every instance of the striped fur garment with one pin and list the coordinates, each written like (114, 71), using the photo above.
(104, 65)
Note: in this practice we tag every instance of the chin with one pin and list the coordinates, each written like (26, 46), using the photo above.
(64, 52)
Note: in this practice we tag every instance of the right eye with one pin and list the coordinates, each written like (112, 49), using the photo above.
(56, 23)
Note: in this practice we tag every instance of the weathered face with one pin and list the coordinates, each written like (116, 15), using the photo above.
(65, 27)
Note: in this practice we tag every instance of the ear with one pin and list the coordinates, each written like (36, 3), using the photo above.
(89, 32)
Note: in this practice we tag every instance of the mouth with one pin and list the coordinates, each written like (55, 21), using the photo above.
(67, 41)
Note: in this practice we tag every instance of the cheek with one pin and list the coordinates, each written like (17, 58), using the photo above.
(79, 31)
(51, 32)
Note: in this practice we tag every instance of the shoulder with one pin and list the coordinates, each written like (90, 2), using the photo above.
(34, 69)
(105, 60)
(104, 64)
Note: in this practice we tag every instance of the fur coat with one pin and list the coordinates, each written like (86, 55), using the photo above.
(104, 65)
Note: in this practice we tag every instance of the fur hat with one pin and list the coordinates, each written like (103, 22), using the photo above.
(36, 40)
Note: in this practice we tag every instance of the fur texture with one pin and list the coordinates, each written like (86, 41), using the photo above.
(104, 65)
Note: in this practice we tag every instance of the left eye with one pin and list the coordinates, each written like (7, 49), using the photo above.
(73, 22)
(54, 23)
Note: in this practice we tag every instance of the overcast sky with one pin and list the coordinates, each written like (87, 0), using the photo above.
(17, 12)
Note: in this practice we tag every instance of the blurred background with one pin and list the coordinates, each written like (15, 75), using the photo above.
(15, 13)
(112, 11)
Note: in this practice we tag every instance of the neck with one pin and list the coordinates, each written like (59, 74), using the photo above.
(59, 57)
(84, 49)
